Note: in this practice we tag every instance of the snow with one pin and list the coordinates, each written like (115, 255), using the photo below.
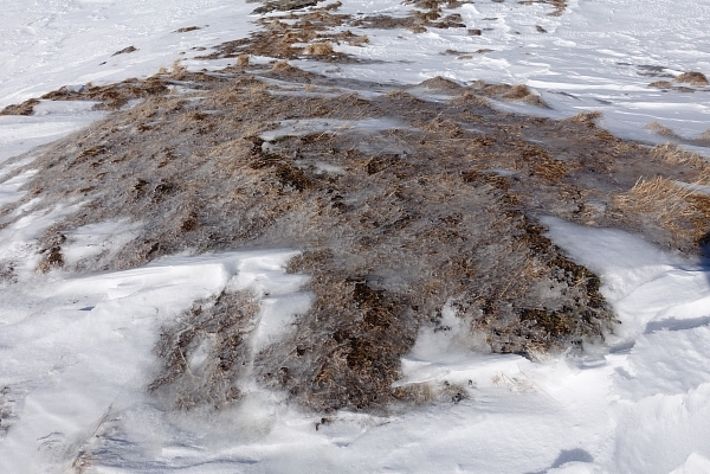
(76, 350)
(301, 127)
(19, 134)
(597, 56)
(98, 240)
(48, 44)
(640, 404)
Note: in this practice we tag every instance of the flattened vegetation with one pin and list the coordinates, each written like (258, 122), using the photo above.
(403, 200)
(432, 203)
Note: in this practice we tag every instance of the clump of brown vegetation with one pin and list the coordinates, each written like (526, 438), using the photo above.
(284, 5)
(25, 108)
(559, 6)
(664, 85)
(127, 50)
(675, 208)
(320, 50)
(219, 328)
(285, 40)
(52, 257)
(516, 93)
(187, 29)
(693, 78)
(588, 118)
(112, 96)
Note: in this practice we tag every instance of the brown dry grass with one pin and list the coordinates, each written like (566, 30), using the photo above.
(559, 6)
(320, 50)
(113, 96)
(435, 211)
(508, 92)
(587, 118)
(25, 108)
(661, 85)
(662, 130)
(693, 78)
(675, 155)
(676, 209)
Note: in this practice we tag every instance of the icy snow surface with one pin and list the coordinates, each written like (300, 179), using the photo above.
(76, 350)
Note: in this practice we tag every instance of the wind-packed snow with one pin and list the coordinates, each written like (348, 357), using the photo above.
(641, 407)
(76, 350)
(50, 43)
(638, 406)
(76, 353)
(599, 55)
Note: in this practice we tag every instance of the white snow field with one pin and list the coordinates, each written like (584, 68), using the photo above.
(76, 349)
(47, 44)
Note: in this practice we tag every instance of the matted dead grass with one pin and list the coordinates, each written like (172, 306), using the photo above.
(559, 6)
(112, 96)
(292, 36)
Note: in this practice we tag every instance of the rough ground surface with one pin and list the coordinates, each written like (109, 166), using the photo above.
(402, 199)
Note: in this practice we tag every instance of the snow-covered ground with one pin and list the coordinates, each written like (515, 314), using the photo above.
(599, 55)
(47, 44)
(76, 350)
